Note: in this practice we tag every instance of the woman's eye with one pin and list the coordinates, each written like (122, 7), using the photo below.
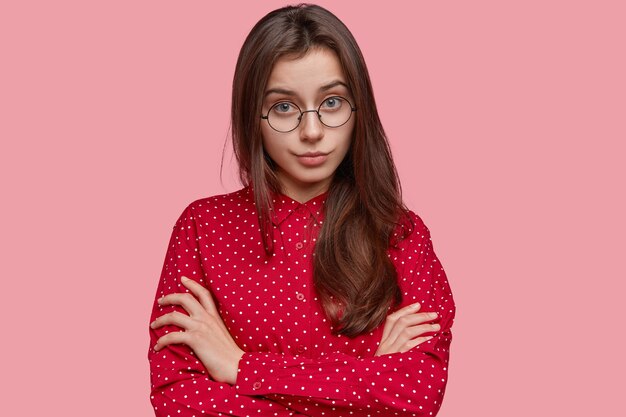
(332, 103)
(284, 107)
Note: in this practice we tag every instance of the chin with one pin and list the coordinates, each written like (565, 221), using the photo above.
(313, 179)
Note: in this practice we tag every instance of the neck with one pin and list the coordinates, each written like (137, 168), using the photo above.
(303, 192)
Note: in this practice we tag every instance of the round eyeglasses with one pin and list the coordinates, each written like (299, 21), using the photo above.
(285, 116)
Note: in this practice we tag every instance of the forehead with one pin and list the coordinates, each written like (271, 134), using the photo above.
(307, 73)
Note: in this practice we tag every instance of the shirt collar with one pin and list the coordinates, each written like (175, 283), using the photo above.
(284, 206)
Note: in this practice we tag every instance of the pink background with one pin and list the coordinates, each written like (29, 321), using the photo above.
(507, 122)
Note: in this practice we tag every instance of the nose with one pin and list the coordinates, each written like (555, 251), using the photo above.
(311, 128)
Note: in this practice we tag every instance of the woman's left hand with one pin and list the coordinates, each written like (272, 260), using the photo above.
(204, 331)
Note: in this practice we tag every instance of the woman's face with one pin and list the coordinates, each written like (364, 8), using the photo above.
(307, 82)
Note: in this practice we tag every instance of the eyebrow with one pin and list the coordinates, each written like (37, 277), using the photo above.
(323, 88)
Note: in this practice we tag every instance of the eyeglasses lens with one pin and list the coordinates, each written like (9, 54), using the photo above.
(333, 112)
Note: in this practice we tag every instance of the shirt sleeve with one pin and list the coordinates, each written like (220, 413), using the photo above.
(180, 384)
(409, 384)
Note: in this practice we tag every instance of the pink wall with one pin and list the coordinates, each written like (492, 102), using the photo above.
(507, 121)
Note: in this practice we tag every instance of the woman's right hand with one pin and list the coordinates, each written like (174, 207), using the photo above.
(404, 329)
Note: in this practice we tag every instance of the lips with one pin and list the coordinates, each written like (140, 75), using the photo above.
(313, 154)
(312, 159)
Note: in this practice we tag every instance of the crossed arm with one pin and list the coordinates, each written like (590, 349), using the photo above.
(197, 368)
(203, 330)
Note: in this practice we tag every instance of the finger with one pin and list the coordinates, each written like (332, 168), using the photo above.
(411, 308)
(418, 318)
(206, 300)
(386, 348)
(393, 317)
(408, 318)
(403, 330)
(414, 342)
(420, 330)
(202, 294)
(191, 305)
(170, 339)
(174, 318)
(409, 338)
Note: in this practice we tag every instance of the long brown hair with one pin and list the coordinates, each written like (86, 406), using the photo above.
(353, 275)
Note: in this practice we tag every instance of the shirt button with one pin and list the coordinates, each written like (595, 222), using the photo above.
(300, 296)
(256, 385)
(299, 245)
(300, 349)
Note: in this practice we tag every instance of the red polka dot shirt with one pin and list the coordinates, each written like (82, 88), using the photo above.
(294, 365)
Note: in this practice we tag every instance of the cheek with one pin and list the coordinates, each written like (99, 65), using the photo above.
(349, 137)
(264, 135)
(274, 145)
(267, 139)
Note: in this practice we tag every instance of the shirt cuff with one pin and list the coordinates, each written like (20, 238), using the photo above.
(273, 373)
(255, 374)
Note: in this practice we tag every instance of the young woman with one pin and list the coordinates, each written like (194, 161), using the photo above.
(313, 290)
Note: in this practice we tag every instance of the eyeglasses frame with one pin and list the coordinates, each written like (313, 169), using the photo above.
(319, 116)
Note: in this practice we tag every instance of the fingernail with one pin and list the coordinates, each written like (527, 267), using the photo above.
(436, 326)
(184, 279)
(160, 300)
(156, 347)
(152, 324)
(433, 315)
(415, 305)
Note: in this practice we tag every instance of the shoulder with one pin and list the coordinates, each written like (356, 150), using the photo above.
(410, 230)
(221, 206)
(240, 200)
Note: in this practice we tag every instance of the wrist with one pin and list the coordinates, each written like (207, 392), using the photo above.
(234, 369)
